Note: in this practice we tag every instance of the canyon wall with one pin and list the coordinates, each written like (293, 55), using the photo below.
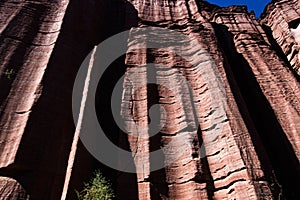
(282, 18)
(228, 91)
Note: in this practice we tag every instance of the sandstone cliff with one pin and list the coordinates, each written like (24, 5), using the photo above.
(242, 81)
(282, 18)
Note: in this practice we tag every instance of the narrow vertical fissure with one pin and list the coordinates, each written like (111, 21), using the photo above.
(109, 126)
(158, 184)
(204, 166)
(204, 173)
(124, 184)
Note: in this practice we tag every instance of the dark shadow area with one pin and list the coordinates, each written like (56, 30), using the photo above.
(206, 177)
(123, 17)
(157, 179)
(123, 183)
(158, 186)
(278, 148)
(126, 183)
(44, 150)
(294, 24)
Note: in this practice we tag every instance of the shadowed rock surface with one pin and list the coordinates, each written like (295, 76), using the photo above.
(234, 75)
(10, 189)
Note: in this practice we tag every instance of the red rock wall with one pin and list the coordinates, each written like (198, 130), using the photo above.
(240, 86)
(28, 33)
(10, 189)
(44, 44)
(186, 179)
(252, 45)
(282, 17)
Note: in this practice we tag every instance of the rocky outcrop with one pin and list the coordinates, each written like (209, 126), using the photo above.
(188, 178)
(39, 61)
(10, 189)
(282, 17)
(251, 45)
(29, 31)
(228, 98)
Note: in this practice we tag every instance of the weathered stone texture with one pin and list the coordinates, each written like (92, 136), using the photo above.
(272, 74)
(282, 17)
(38, 64)
(10, 189)
(228, 79)
(240, 177)
(28, 33)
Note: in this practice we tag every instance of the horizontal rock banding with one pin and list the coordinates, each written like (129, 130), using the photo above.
(217, 97)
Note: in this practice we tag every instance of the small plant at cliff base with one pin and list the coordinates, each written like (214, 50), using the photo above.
(8, 73)
(97, 189)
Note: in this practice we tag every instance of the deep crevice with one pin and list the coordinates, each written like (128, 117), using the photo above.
(204, 165)
(158, 183)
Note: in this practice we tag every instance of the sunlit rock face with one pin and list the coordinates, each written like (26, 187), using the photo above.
(225, 84)
(295, 33)
(282, 17)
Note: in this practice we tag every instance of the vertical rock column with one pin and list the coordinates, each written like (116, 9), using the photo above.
(29, 31)
(134, 112)
(276, 81)
(178, 135)
(231, 168)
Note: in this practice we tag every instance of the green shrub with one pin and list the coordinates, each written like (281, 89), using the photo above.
(9, 73)
(97, 189)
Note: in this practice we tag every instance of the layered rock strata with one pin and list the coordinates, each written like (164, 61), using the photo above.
(10, 189)
(39, 57)
(282, 17)
(229, 100)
